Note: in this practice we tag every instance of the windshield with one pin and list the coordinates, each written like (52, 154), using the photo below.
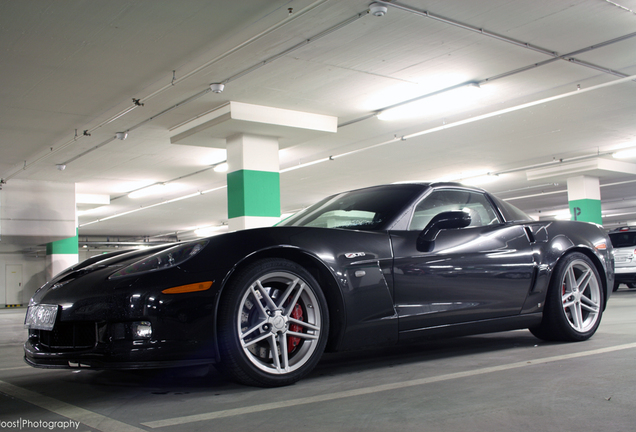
(367, 209)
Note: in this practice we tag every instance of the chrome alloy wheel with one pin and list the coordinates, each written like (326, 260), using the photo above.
(581, 296)
(279, 322)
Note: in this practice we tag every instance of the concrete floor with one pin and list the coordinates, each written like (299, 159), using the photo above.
(500, 382)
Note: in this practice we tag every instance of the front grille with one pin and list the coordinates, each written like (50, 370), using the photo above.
(68, 336)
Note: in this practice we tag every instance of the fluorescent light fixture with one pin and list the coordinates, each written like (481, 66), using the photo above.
(453, 97)
(471, 178)
(170, 201)
(386, 96)
(91, 210)
(124, 188)
(625, 154)
(211, 157)
(481, 179)
(221, 168)
(155, 189)
(563, 215)
(210, 230)
(465, 177)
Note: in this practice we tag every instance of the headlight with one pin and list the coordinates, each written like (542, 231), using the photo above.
(165, 259)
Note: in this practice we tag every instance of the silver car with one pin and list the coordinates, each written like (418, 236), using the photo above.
(624, 242)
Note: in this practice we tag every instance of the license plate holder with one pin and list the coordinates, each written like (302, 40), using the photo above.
(41, 317)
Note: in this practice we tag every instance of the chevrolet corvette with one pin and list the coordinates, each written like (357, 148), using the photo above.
(379, 265)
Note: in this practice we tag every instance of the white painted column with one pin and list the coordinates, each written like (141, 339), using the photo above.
(60, 255)
(584, 197)
(253, 181)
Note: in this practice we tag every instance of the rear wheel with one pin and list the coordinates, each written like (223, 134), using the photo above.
(574, 304)
(273, 324)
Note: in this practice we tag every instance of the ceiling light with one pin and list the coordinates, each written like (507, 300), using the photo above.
(127, 187)
(170, 201)
(210, 230)
(625, 154)
(217, 87)
(464, 177)
(453, 97)
(377, 9)
(121, 135)
(92, 210)
(150, 190)
(222, 167)
(481, 179)
(563, 215)
(385, 97)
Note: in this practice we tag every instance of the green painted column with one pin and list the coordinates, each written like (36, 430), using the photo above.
(584, 196)
(61, 254)
(253, 181)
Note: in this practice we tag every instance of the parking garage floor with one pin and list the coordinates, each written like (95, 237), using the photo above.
(499, 382)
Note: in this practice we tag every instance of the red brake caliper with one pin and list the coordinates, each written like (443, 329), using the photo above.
(293, 341)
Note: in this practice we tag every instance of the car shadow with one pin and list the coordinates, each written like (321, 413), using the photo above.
(427, 351)
(205, 378)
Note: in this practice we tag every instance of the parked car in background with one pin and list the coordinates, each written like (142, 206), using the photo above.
(624, 242)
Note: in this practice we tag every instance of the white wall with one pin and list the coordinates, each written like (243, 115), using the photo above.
(33, 275)
(36, 212)
(33, 270)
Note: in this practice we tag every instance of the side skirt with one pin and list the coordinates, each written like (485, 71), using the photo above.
(474, 327)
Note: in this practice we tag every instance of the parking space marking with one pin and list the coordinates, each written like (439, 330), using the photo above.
(71, 412)
(15, 368)
(376, 389)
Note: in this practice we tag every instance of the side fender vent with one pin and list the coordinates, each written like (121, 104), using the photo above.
(529, 234)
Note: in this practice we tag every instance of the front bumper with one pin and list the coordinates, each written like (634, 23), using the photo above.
(625, 274)
(113, 345)
(119, 355)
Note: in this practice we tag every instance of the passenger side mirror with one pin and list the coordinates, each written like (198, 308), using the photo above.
(445, 220)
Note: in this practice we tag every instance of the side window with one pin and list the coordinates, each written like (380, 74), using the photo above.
(473, 203)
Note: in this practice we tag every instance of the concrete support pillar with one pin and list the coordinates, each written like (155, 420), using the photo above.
(253, 181)
(584, 196)
(60, 255)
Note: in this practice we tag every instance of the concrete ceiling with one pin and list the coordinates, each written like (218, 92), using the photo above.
(556, 82)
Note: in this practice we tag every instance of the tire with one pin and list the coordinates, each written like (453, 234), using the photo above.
(616, 285)
(574, 303)
(631, 285)
(272, 306)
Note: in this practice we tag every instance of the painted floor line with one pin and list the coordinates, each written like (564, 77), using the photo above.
(375, 389)
(71, 412)
(15, 368)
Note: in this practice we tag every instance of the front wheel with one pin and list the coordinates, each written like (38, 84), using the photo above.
(273, 324)
(574, 303)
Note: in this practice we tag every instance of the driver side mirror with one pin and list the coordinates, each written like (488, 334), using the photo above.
(442, 221)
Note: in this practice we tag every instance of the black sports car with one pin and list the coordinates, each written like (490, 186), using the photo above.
(379, 265)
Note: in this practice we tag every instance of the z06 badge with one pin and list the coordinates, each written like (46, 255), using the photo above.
(354, 254)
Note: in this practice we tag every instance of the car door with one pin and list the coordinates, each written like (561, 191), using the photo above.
(479, 272)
